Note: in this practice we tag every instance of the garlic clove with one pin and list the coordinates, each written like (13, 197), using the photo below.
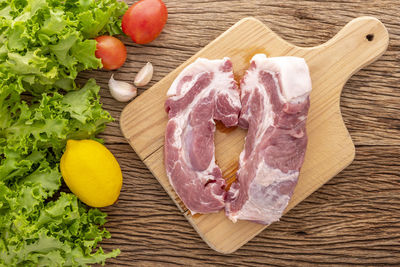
(121, 91)
(144, 75)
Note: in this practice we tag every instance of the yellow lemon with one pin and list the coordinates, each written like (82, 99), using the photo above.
(91, 172)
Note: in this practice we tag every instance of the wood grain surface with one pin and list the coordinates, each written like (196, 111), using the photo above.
(353, 219)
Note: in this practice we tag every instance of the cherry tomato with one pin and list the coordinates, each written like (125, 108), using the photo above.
(111, 51)
(144, 20)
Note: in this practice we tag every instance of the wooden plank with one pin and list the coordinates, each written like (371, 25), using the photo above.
(330, 148)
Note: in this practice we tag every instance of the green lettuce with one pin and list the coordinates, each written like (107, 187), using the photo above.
(52, 119)
(44, 44)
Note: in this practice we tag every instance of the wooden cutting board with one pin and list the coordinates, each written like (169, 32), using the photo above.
(330, 148)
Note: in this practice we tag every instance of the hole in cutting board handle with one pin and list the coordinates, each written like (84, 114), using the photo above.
(370, 37)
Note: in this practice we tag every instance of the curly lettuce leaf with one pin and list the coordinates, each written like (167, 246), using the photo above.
(62, 234)
(52, 119)
(46, 41)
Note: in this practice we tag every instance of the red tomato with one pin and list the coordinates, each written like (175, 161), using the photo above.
(144, 20)
(111, 51)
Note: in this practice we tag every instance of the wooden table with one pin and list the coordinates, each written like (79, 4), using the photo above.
(353, 219)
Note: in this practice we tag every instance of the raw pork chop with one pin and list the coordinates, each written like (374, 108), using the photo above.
(275, 101)
(204, 91)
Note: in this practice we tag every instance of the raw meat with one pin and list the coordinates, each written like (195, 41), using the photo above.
(204, 91)
(275, 101)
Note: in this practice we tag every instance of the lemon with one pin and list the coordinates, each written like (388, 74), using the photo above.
(91, 172)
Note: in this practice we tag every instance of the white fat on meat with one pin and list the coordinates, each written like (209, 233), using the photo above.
(275, 101)
(294, 77)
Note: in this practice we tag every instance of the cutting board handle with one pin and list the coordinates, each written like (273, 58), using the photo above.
(360, 42)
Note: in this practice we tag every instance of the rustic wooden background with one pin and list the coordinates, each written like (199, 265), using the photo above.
(353, 219)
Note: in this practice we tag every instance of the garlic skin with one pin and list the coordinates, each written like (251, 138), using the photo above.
(121, 91)
(144, 75)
